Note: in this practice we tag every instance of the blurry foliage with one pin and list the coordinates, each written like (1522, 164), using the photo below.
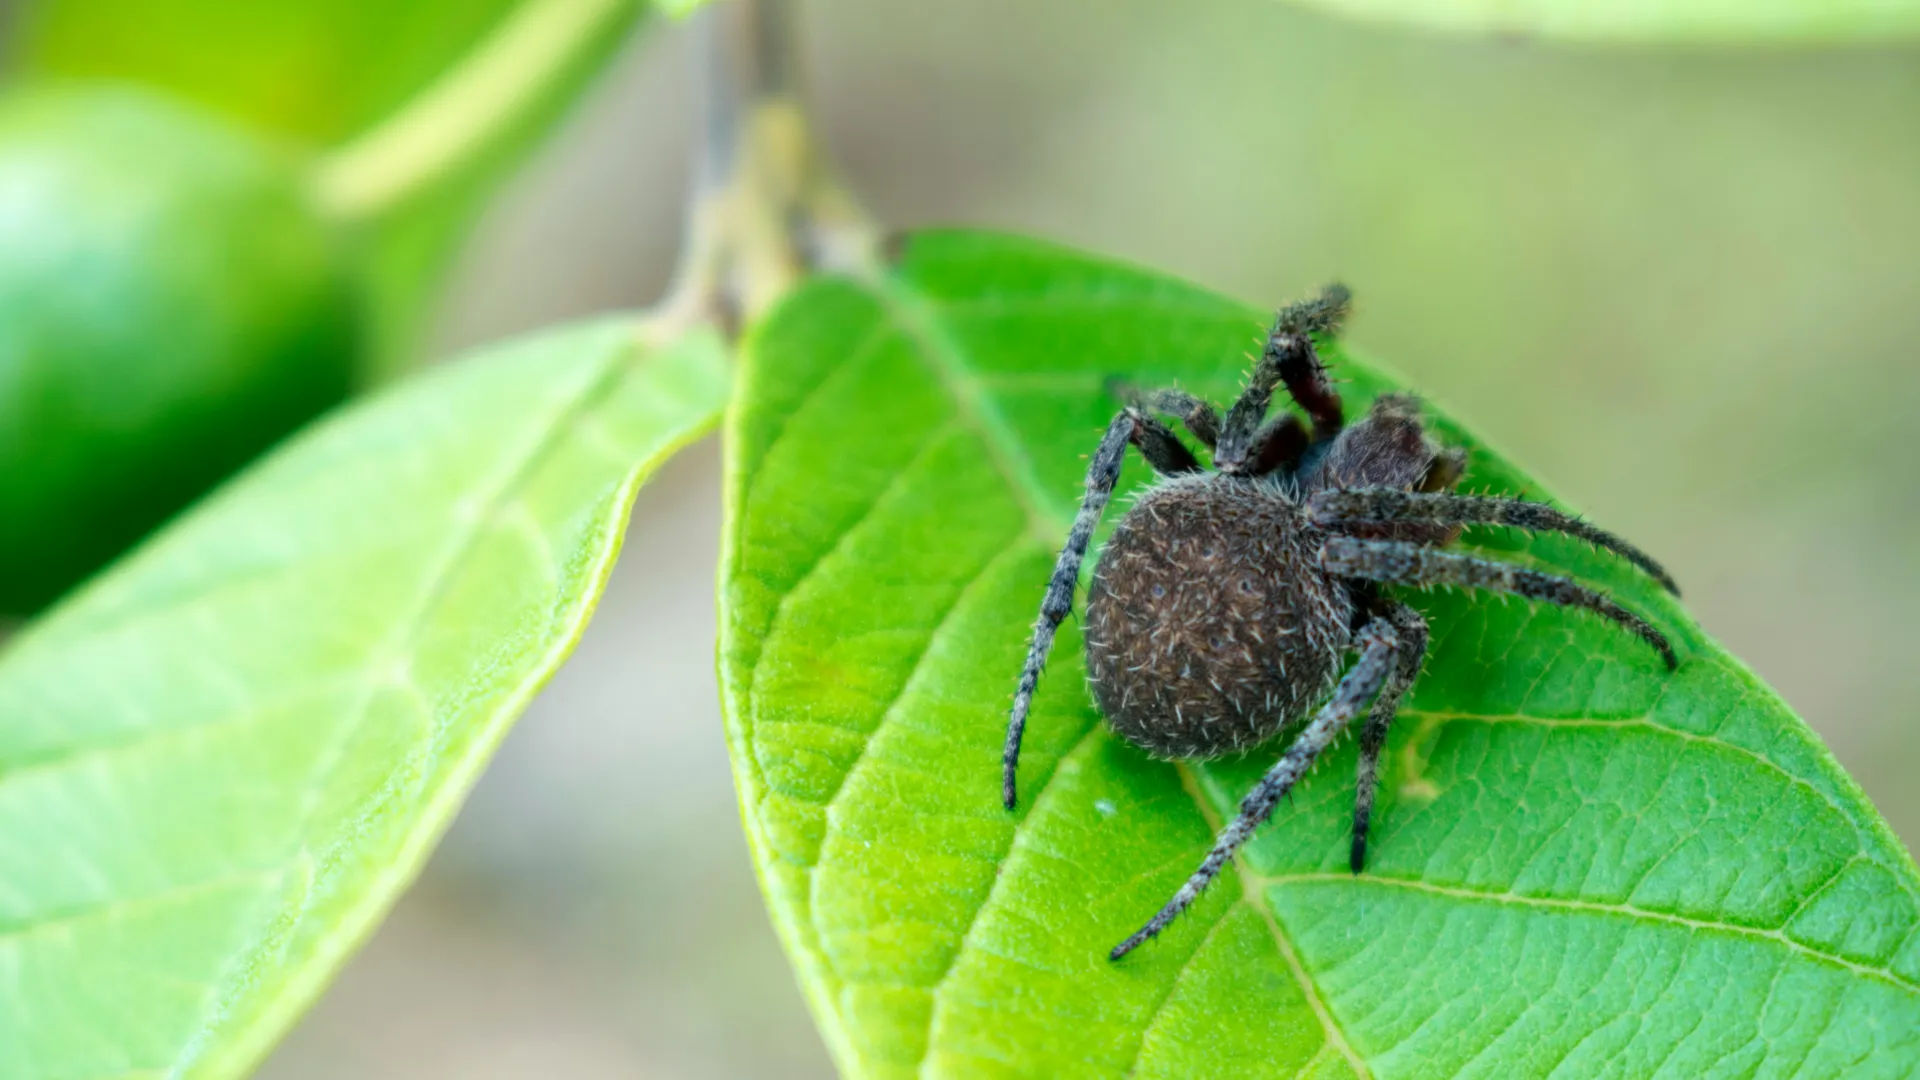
(1776, 21)
(185, 287)
(413, 187)
(173, 304)
(323, 73)
(320, 71)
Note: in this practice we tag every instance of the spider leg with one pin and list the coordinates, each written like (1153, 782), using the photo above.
(1196, 413)
(1158, 444)
(1378, 643)
(1446, 470)
(1374, 506)
(1167, 455)
(1288, 358)
(1276, 445)
(1393, 562)
(1280, 444)
(1412, 628)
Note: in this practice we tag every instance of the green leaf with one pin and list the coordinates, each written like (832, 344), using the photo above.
(1747, 21)
(318, 70)
(221, 762)
(429, 105)
(1581, 865)
(413, 185)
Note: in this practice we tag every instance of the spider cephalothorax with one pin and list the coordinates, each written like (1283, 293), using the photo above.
(1226, 599)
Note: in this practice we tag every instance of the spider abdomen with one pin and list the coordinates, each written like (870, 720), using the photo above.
(1210, 624)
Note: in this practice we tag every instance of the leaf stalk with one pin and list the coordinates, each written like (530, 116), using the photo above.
(765, 208)
(474, 108)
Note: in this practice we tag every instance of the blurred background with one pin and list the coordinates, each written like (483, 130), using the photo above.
(1680, 285)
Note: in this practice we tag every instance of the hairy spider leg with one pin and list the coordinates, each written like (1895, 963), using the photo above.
(1288, 358)
(1168, 455)
(1332, 509)
(1378, 643)
(1197, 413)
(1393, 562)
(1159, 445)
(1412, 629)
(1279, 446)
(1446, 470)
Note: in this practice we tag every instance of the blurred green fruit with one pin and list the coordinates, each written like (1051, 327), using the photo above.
(171, 303)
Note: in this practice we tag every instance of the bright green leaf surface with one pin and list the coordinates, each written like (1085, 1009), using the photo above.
(1747, 21)
(221, 763)
(1582, 866)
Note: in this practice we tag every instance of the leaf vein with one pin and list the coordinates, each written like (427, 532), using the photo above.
(1624, 911)
(945, 359)
(1248, 884)
(1700, 1015)
(406, 635)
(776, 621)
(1173, 987)
(918, 670)
(594, 391)
(148, 737)
(1086, 740)
(109, 910)
(876, 334)
(1439, 718)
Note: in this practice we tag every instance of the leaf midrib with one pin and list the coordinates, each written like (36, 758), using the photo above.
(1322, 1009)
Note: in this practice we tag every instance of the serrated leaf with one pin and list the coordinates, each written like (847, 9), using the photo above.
(1581, 865)
(221, 763)
(1745, 21)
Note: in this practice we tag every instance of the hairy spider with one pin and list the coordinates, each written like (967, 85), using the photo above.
(1223, 604)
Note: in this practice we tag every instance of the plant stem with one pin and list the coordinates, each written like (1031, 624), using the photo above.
(472, 109)
(765, 209)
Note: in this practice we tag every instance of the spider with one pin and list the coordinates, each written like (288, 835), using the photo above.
(1223, 604)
